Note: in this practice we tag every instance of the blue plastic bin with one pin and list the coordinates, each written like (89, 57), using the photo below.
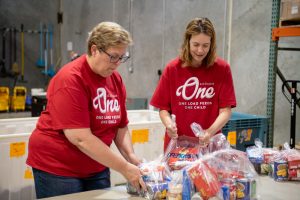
(242, 129)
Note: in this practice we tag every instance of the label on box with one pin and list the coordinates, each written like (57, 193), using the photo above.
(231, 137)
(17, 149)
(28, 174)
(294, 10)
(249, 135)
(140, 136)
(294, 164)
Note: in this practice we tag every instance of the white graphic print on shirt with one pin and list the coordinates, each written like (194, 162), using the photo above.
(199, 91)
(103, 104)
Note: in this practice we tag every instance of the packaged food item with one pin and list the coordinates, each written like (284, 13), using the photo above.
(156, 190)
(187, 186)
(180, 156)
(153, 171)
(181, 151)
(294, 166)
(264, 168)
(255, 155)
(231, 184)
(196, 196)
(243, 189)
(280, 170)
(205, 179)
(175, 185)
(131, 190)
(226, 192)
(252, 188)
(175, 192)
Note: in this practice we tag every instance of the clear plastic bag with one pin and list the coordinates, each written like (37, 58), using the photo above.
(204, 178)
(156, 177)
(181, 152)
(198, 131)
(222, 169)
(217, 142)
(293, 158)
(175, 185)
(154, 171)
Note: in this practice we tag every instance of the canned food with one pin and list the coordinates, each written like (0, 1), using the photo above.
(175, 191)
(231, 183)
(157, 190)
(243, 189)
(265, 168)
(271, 170)
(252, 187)
(131, 189)
(226, 192)
(280, 170)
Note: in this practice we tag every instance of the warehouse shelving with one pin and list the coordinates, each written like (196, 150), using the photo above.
(277, 33)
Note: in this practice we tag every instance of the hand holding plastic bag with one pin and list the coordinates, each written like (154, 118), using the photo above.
(218, 142)
(209, 144)
(172, 128)
(154, 171)
(199, 132)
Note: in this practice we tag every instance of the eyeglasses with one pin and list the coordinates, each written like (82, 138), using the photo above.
(115, 59)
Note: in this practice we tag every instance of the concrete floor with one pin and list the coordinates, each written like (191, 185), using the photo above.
(6, 115)
(271, 190)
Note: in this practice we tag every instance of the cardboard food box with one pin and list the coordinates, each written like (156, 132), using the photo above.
(290, 10)
(294, 166)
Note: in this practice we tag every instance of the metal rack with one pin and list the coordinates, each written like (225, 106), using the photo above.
(277, 32)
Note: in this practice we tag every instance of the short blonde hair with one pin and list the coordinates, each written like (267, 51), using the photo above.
(108, 34)
(195, 27)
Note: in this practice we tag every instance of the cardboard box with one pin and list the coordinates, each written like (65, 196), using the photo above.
(290, 10)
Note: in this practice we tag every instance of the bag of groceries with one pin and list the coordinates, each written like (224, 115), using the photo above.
(181, 151)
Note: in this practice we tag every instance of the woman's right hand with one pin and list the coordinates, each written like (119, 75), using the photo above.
(170, 123)
(172, 130)
(134, 176)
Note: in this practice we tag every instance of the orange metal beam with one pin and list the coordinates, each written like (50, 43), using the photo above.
(285, 32)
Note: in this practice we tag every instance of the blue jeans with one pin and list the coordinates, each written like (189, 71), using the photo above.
(48, 185)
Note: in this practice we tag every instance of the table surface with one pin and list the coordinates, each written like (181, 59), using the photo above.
(267, 189)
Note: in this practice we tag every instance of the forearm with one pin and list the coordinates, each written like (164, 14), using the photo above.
(219, 123)
(169, 123)
(92, 146)
(165, 118)
(123, 142)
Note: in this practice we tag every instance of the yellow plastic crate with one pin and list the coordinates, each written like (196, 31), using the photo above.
(4, 99)
(19, 98)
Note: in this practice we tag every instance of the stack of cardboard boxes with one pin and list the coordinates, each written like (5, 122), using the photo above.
(290, 12)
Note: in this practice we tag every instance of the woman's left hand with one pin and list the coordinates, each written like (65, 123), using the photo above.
(205, 138)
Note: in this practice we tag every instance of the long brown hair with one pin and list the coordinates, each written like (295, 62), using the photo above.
(195, 27)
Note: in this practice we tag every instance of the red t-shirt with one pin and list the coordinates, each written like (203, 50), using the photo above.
(77, 98)
(194, 94)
